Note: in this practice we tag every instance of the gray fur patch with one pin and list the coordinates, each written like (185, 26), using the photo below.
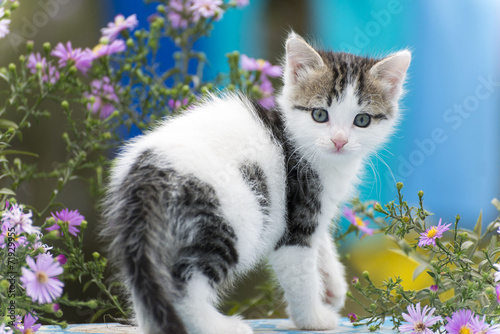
(255, 178)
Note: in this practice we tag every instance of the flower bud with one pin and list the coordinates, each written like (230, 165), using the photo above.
(373, 307)
(399, 185)
(46, 47)
(29, 46)
(7, 13)
(96, 255)
(73, 69)
(130, 43)
(348, 294)
(15, 5)
(420, 194)
(83, 225)
(366, 275)
(92, 304)
(22, 58)
(65, 104)
(12, 67)
(160, 9)
(185, 89)
(55, 234)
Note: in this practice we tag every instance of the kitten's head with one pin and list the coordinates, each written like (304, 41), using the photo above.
(338, 105)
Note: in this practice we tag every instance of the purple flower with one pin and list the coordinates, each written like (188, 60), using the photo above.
(7, 231)
(49, 72)
(61, 259)
(4, 24)
(108, 49)
(357, 221)
(267, 100)
(15, 217)
(355, 280)
(242, 3)
(352, 317)
(497, 273)
(82, 59)
(40, 279)
(265, 67)
(434, 288)
(419, 320)
(120, 23)
(176, 104)
(104, 96)
(460, 322)
(71, 218)
(479, 326)
(56, 307)
(178, 13)
(206, 9)
(28, 326)
(4, 331)
(431, 234)
(497, 290)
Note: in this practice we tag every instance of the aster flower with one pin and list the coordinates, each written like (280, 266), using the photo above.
(28, 326)
(61, 259)
(242, 3)
(267, 100)
(460, 322)
(357, 221)
(434, 288)
(16, 217)
(497, 291)
(177, 13)
(355, 280)
(104, 96)
(82, 59)
(49, 72)
(120, 24)
(497, 273)
(108, 49)
(40, 279)
(265, 67)
(176, 104)
(419, 320)
(72, 218)
(206, 9)
(17, 240)
(479, 326)
(4, 24)
(431, 234)
(5, 331)
(352, 317)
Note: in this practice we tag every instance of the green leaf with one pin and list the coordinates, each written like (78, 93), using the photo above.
(7, 191)
(19, 152)
(6, 124)
(99, 313)
(479, 225)
(496, 203)
(420, 269)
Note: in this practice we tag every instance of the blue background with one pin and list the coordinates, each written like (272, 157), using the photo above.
(454, 157)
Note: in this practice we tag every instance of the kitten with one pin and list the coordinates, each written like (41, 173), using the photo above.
(205, 196)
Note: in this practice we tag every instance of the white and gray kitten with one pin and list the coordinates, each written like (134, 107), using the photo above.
(205, 196)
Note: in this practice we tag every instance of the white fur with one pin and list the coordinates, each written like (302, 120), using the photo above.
(213, 140)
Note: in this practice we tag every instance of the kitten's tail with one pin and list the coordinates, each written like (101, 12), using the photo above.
(135, 247)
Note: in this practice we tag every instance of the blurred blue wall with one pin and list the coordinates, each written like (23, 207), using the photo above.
(448, 143)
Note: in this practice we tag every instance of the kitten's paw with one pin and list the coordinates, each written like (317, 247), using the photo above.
(335, 290)
(228, 325)
(320, 317)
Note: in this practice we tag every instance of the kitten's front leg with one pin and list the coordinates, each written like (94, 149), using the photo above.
(332, 272)
(299, 276)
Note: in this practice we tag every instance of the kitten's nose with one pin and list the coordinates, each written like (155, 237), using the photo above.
(339, 142)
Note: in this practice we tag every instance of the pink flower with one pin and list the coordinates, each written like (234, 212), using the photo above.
(61, 259)
(82, 59)
(434, 288)
(431, 234)
(121, 23)
(28, 326)
(242, 3)
(460, 322)
(497, 290)
(40, 279)
(108, 49)
(419, 320)
(352, 317)
(357, 221)
(265, 67)
(71, 218)
(206, 9)
(104, 96)
(178, 13)
(4, 24)
(176, 104)
(15, 217)
(479, 326)
(49, 72)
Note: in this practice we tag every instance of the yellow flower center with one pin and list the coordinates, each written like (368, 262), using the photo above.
(464, 330)
(260, 63)
(359, 222)
(419, 327)
(42, 277)
(97, 48)
(28, 331)
(432, 232)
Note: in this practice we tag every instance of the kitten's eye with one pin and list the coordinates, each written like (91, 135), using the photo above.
(362, 120)
(320, 115)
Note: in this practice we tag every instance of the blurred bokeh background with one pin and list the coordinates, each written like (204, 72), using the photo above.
(448, 143)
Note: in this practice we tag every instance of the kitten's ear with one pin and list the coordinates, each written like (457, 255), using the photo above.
(300, 57)
(391, 71)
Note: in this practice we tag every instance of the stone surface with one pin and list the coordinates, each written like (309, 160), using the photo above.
(264, 326)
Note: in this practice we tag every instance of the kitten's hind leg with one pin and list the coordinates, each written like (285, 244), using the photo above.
(298, 274)
(197, 310)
